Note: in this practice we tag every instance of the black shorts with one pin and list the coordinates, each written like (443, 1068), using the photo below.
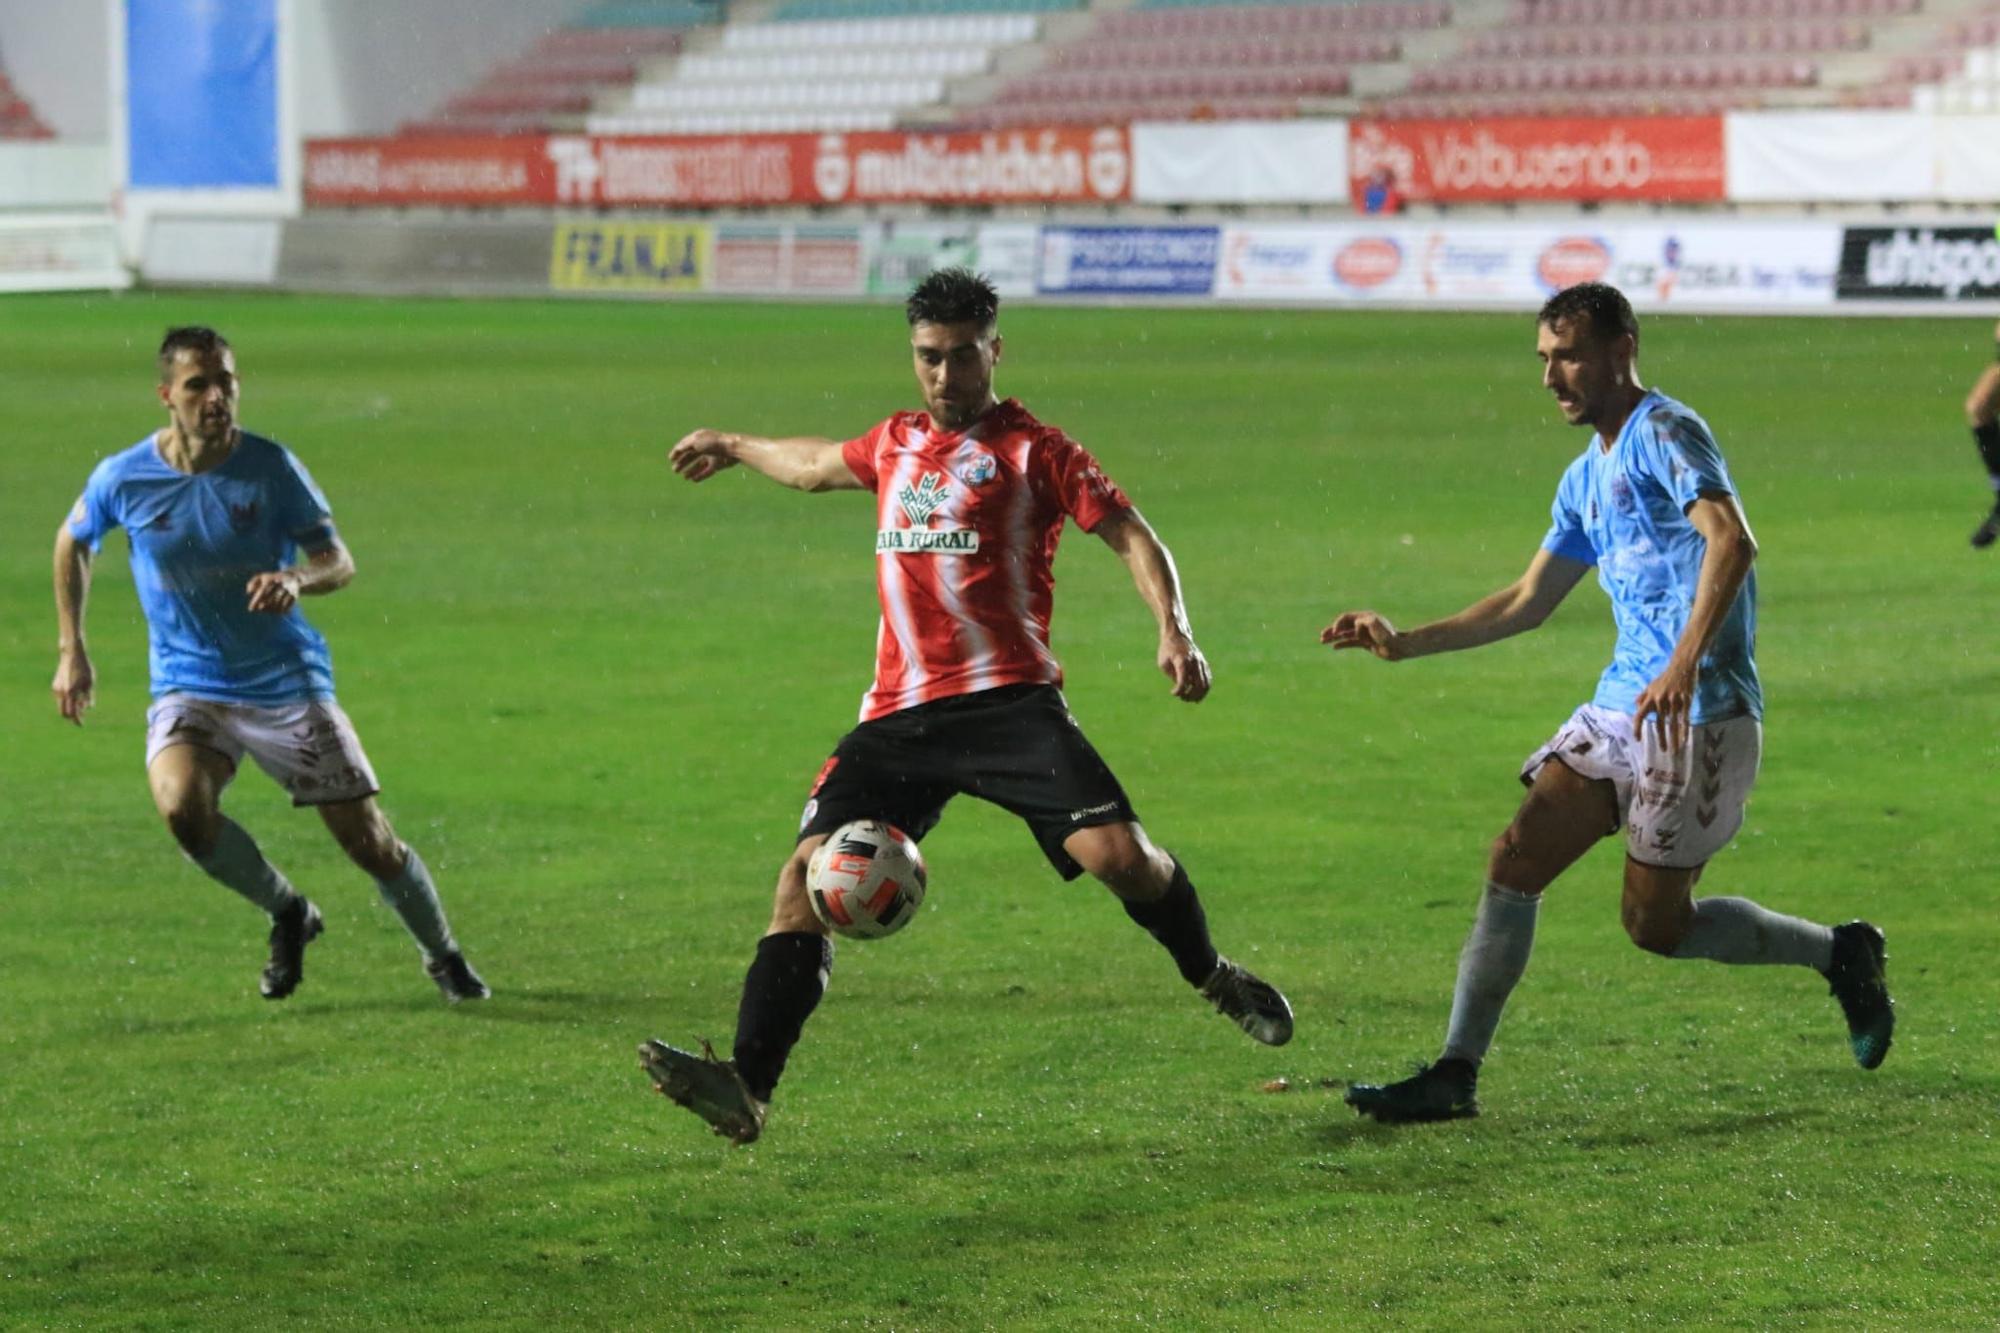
(1016, 746)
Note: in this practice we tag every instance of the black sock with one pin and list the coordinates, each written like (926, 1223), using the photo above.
(1988, 438)
(1176, 920)
(780, 992)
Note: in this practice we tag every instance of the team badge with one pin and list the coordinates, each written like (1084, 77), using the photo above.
(243, 517)
(978, 469)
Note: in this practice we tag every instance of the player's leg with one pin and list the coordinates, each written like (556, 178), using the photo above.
(1154, 888)
(1020, 748)
(1684, 820)
(1982, 414)
(191, 757)
(874, 773)
(1564, 814)
(785, 983)
(405, 883)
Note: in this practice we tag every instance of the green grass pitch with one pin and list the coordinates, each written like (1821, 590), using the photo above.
(596, 696)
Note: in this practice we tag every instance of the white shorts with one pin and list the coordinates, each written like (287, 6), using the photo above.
(309, 748)
(1678, 807)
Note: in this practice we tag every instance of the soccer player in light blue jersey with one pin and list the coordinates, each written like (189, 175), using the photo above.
(217, 520)
(1668, 747)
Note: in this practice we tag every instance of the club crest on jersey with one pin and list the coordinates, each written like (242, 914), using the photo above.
(243, 517)
(978, 469)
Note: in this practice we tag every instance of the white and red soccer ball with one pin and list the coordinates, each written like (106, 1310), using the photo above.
(866, 880)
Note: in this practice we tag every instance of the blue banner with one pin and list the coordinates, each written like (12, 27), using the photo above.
(202, 94)
(1128, 261)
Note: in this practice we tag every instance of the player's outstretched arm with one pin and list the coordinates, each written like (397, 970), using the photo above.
(1726, 562)
(1520, 606)
(1159, 583)
(75, 682)
(325, 570)
(804, 464)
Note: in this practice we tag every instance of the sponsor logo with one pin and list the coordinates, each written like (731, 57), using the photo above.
(1249, 260)
(812, 808)
(665, 171)
(1018, 165)
(1110, 165)
(1368, 262)
(1923, 262)
(922, 541)
(628, 256)
(924, 499)
(1088, 811)
(1130, 259)
(368, 173)
(1571, 260)
(1460, 268)
(833, 173)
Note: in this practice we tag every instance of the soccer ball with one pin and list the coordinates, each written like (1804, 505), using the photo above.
(866, 880)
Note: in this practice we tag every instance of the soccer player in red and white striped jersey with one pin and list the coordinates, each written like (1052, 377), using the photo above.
(971, 497)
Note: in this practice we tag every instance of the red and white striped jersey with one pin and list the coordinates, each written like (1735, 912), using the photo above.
(965, 548)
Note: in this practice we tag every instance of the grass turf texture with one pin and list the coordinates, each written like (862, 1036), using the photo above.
(596, 696)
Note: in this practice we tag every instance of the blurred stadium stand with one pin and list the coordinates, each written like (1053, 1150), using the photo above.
(674, 66)
(18, 119)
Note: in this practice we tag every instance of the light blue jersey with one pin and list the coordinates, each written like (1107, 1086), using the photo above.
(1625, 511)
(196, 541)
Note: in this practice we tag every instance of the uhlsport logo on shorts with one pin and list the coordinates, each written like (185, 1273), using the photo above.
(920, 503)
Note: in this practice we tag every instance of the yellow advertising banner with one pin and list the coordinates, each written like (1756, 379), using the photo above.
(630, 256)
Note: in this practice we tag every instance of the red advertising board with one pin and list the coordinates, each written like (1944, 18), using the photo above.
(1065, 165)
(1649, 157)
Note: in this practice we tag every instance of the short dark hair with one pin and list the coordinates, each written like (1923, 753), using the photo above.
(196, 338)
(1610, 314)
(954, 296)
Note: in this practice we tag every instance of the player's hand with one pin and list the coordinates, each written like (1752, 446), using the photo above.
(1182, 663)
(74, 685)
(274, 593)
(1365, 629)
(1669, 700)
(701, 454)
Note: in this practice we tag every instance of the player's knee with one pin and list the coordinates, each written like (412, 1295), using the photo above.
(1654, 929)
(790, 911)
(194, 825)
(1508, 861)
(193, 820)
(1125, 865)
(375, 848)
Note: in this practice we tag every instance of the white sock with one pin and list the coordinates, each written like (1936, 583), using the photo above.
(1491, 964)
(414, 898)
(236, 862)
(1736, 930)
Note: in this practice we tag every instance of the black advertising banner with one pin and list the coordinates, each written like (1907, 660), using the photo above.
(1919, 264)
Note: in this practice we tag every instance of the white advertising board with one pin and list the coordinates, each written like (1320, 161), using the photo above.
(1697, 265)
